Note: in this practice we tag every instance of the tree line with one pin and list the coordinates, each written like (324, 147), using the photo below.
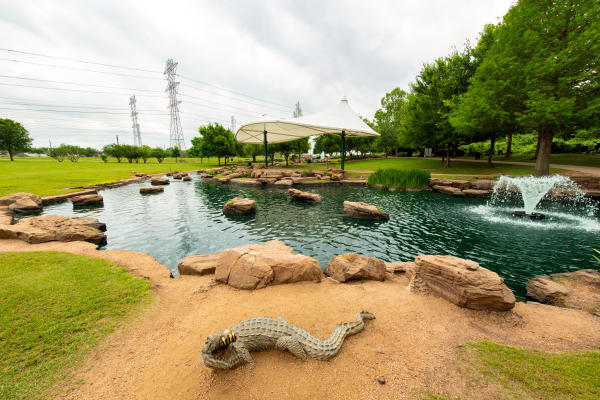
(534, 73)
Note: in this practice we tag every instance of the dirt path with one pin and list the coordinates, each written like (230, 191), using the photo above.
(414, 342)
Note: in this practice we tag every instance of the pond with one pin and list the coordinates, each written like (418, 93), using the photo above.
(186, 219)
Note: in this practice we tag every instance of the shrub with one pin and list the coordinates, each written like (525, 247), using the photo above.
(325, 173)
(104, 158)
(400, 178)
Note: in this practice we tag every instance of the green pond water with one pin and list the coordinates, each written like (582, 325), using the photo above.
(186, 219)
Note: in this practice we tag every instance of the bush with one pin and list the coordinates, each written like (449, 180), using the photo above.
(104, 158)
(400, 178)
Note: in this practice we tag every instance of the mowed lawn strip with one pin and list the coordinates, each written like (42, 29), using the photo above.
(53, 308)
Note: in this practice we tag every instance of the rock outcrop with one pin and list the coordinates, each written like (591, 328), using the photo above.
(22, 202)
(159, 180)
(358, 209)
(60, 198)
(255, 266)
(47, 228)
(186, 178)
(203, 264)
(151, 189)
(308, 197)
(6, 215)
(457, 187)
(349, 267)
(462, 282)
(579, 290)
(240, 206)
(87, 200)
(399, 266)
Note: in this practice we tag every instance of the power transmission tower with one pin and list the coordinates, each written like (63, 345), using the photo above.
(137, 137)
(176, 133)
(232, 126)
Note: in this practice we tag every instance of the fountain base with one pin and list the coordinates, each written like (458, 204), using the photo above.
(532, 216)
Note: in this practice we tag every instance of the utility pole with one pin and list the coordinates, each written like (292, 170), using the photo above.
(232, 126)
(117, 139)
(137, 137)
(176, 133)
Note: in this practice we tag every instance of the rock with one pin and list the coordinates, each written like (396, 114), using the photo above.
(87, 200)
(6, 215)
(477, 193)
(484, 184)
(579, 290)
(348, 267)
(448, 190)
(151, 189)
(259, 166)
(284, 182)
(177, 175)
(358, 209)
(356, 182)
(381, 380)
(203, 264)
(47, 228)
(545, 290)
(336, 177)
(457, 183)
(256, 173)
(22, 202)
(240, 206)
(59, 198)
(299, 195)
(187, 178)
(159, 180)
(141, 175)
(255, 266)
(272, 174)
(267, 181)
(462, 282)
(399, 266)
(246, 181)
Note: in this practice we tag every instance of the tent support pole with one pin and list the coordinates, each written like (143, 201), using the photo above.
(266, 152)
(343, 147)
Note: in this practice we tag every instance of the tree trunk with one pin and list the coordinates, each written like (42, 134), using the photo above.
(542, 162)
(253, 158)
(537, 147)
(447, 157)
(219, 161)
(10, 153)
(491, 152)
(508, 146)
(286, 159)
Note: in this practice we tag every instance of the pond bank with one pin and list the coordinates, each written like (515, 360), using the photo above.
(415, 343)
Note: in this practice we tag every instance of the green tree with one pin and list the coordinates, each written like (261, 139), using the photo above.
(58, 153)
(130, 152)
(114, 150)
(145, 152)
(254, 150)
(297, 110)
(158, 153)
(388, 120)
(175, 152)
(328, 144)
(217, 141)
(13, 137)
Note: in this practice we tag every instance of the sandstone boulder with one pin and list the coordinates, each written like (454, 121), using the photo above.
(187, 178)
(284, 182)
(240, 206)
(579, 290)
(6, 215)
(358, 209)
(87, 200)
(47, 228)
(477, 193)
(59, 198)
(255, 266)
(349, 267)
(457, 183)
(484, 184)
(159, 180)
(308, 197)
(203, 264)
(246, 181)
(151, 189)
(448, 190)
(22, 202)
(399, 266)
(462, 282)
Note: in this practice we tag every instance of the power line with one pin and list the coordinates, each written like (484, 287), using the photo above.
(78, 83)
(80, 61)
(73, 90)
(71, 111)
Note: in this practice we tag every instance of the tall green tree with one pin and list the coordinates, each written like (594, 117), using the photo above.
(388, 120)
(327, 143)
(114, 150)
(13, 137)
(217, 141)
(159, 153)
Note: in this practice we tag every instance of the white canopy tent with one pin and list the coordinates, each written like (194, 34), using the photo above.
(338, 120)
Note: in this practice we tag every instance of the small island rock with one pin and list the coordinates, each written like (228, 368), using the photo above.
(358, 209)
(240, 206)
(308, 197)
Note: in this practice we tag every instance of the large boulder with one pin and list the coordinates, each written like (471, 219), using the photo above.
(159, 180)
(6, 215)
(484, 184)
(462, 282)
(240, 206)
(579, 290)
(151, 189)
(349, 267)
(255, 266)
(308, 197)
(454, 191)
(477, 193)
(358, 209)
(203, 264)
(284, 182)
(47, 228)
(87, 200)
(22, 202)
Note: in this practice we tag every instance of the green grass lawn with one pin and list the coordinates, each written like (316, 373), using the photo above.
(539, 375)
(46, 176)
(53, 308)
(588, 160)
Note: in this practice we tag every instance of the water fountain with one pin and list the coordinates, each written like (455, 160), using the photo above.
(533, 189)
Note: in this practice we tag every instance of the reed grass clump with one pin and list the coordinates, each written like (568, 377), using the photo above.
(400, 178)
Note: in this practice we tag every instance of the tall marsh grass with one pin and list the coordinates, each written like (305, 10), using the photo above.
(400, 178)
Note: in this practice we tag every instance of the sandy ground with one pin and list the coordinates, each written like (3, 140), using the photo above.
(415, 343)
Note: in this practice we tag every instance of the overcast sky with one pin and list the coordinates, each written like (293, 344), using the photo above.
(236, 58)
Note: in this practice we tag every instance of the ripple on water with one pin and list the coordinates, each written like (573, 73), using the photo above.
(186, 219)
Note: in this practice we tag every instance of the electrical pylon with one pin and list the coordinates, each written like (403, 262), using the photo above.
(232, 126)
(137, 137)
(176, 133)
